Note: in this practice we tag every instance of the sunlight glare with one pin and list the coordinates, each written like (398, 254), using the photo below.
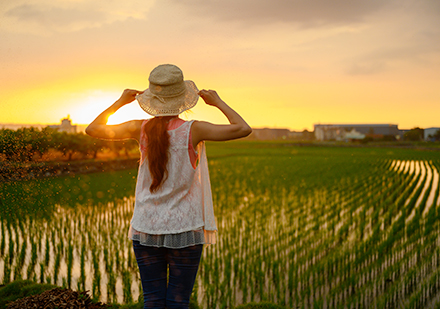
(95, 102)
(128, 112)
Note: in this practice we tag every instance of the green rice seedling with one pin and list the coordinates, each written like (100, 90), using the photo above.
(82, 278)
(11, 252)
(22, 255)
(30, 271)
(21, 229)
(140, 298)
(106, 259)
(53, 235)
(6, 271)
(17, 275)
(96, 286)
(34, 254)
(3, 239)
(126, 283)
(111, 287)
(47, 252)
(57, 264)
(42, 273)
(131, 263)
(117, 262)
(61, 240)
(69, 264)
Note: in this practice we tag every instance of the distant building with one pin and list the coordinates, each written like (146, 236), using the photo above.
(346, 132)
(354, 135)
(269, 134)
(65, 126)
(429, 132)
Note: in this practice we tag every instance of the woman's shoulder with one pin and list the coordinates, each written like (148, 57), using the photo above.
(199, 124)
(180, 123)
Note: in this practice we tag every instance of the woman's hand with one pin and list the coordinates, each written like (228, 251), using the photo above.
(205, 131)
(131, 129)
(128, 96)
(211, 97)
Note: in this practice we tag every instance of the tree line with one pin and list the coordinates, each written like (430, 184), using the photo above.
(417, 134)
(30, 144)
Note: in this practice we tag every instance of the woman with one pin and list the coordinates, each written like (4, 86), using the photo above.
(173, 215)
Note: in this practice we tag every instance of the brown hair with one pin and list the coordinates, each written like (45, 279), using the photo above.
(158, 142)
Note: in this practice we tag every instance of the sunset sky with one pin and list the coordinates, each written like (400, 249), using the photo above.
(280, 63)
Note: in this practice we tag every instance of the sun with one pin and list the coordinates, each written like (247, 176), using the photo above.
(128, 112)
(94, 103)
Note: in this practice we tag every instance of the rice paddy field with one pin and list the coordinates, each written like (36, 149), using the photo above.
(304, 227)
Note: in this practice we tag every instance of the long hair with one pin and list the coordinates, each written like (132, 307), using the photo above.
(158, 142)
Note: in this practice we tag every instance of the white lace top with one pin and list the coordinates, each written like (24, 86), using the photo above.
(180, 213)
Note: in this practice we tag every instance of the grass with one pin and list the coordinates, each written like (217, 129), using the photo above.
(262, 305)
(20, 289)
(23, 288)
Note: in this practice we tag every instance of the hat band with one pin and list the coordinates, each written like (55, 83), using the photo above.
(171, 95)
(168, 91)
(158, 97)
(161, 98)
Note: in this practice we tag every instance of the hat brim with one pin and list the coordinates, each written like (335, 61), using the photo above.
(172, 106)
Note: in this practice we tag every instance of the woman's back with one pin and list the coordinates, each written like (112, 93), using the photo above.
(177, 205)
(173, 124)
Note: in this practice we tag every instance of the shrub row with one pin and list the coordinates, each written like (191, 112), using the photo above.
(29, 144)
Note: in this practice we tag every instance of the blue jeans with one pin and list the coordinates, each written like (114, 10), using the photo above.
(153, 263)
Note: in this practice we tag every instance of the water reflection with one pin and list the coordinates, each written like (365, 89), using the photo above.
(72, 232)
(285, 234)
(429, 179)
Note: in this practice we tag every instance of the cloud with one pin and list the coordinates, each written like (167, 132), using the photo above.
(308, 13)
(367, 67)
(412, 39)
(424, 54)
(56, 18)
(68, 16)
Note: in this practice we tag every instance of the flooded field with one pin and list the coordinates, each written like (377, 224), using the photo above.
(307, 227)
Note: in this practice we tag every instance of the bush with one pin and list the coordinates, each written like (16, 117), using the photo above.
(262, 305)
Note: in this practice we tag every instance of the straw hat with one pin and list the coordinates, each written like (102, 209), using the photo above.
(168, 94)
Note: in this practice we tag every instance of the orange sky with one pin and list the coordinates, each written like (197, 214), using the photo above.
(281, 63)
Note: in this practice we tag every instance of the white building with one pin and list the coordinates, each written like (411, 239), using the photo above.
(344, 132)
(429, 131)
(65, 126)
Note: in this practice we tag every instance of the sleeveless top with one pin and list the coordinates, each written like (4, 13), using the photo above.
(180, 213)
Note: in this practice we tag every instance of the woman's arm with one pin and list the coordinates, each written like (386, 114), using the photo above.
(205, 131)
(131, 129)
